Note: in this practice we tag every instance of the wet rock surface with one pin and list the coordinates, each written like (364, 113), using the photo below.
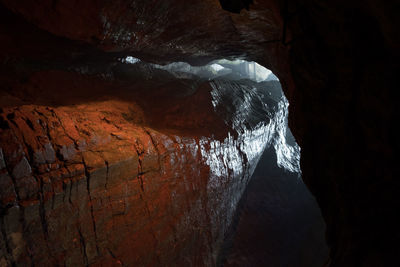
(337, 62)
(128, 171)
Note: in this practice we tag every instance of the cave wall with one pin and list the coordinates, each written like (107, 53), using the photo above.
(336, 61)
(277, 223)
(118, 167)
(102, 183)
(342, 60)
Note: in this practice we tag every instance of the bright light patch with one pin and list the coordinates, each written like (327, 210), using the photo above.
(260, 73)
(231, 69)
(131, 60)
(217, 67)
(248, 69)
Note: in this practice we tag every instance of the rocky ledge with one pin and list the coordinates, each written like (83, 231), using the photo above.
(123, 180)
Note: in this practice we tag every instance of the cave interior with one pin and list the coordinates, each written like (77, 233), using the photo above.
(199, 133)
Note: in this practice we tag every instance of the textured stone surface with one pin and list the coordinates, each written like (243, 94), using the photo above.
(126, 195)
(336, 61)
(127, 171)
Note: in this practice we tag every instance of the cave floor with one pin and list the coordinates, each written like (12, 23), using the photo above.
(278, 222)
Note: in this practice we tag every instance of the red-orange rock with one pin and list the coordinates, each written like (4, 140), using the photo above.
(337, 62)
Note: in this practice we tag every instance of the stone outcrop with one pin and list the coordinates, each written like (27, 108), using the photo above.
(133, 177)
(84, 183)
(336, 61)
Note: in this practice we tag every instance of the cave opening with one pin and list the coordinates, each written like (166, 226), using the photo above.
(205, 126)
(277, 221)
(104, 163)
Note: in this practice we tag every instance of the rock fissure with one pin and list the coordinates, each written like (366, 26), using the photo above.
(65, 131)
(45, 125)
(88, 177)
(155, 147)
(107, 173)
(83, 245)
(140, 153)
(114, 257)
(337, 63)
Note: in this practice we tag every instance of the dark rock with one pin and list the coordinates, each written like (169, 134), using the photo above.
(2, 163)
(22, 169)
(337, 62)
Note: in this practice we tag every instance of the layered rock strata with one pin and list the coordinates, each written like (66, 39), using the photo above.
(127, 181)
(337, 62)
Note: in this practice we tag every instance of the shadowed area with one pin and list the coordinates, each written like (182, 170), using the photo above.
(278, 222)
(106, 160)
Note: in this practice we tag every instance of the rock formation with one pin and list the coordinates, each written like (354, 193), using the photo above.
(129, 171)
(336, 61)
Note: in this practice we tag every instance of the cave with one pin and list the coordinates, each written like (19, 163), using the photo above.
(198, 133)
